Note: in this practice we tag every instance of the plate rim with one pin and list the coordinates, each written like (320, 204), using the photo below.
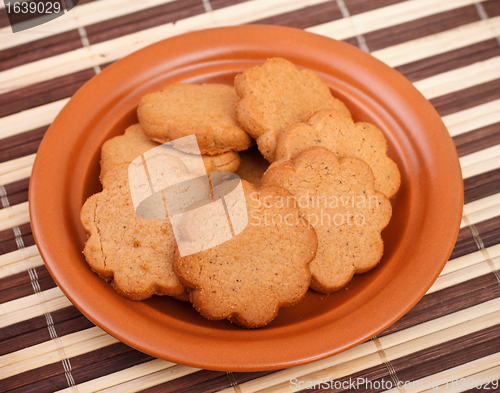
(203, 36)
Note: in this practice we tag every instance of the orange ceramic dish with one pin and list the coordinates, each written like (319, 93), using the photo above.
(418, 241)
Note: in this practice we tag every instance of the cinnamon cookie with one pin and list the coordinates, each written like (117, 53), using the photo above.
(277, 95)
(338, 199)
(133, 253)
(249, 277)
(337, 132)
(204, 110)
(125, 148)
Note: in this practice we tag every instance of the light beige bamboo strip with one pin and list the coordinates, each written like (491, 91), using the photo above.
(436, 44)
(50, 346)
(481, 204)
(467, 326)
(485, 367)
(114, 49)
(14, 216)
(138, 385)
(16, 175)
(18, 255)
(20, 266)
(455, 325)
(481, 161)
(463, 275)
(73, 350)
(84, 14)
(122, 376)
(460, 78)
(317, 379)
(28, 301)
(18, 163)
(19, 261)
(473, 118)
(30, 119)
(384, 17)
(483, 215)
(472, 259)
(481, 210)
(35, 311)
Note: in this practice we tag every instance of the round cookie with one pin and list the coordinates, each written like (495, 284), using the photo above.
(249, 277)
(134, 253)
(277, 95)
(338, 199)
(204, 110)
(337, 132)
(125, 148)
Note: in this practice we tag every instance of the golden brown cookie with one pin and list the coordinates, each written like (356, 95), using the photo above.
(338, 199)
(337, 132)
(125, 148)
(249, 277)
(134, 253)
(204, 110)
(277, 95)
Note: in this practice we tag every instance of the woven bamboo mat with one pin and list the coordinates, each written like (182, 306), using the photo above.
(449, 49)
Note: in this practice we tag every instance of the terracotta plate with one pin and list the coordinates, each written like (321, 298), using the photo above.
(418, 241)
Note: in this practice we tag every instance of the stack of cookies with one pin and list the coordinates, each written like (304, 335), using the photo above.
(315, 220)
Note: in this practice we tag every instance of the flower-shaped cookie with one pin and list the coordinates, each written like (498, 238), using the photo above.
(125, 148)
(249, 277)
(134, 253)
(277, 95)
(338, 199)
(206, 110)
(337, 132)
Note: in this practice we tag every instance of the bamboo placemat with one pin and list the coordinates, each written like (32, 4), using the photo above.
(449, 49)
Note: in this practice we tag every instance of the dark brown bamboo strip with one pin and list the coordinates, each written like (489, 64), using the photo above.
(4, 19)
(464, 245)
(422, 27)
(305, 17)
(476, 140)
(218, 4)
(8, 234)
(451, 60)
(359, 6)
(105, 361)
(467, 98)
(202, 381)
(449, 354)
(155, 16)
(15, 187)
(11, 245)
(17, 198)
(356, 382)
(352, 41)
(8, 238)
(481, 186)
(34, 326)
(242, 377)
(489, 231)
(43, 92)
(492, 8)
(447, 301)
(49, 379)
(40, 49)
(41, 335)
(20, 284)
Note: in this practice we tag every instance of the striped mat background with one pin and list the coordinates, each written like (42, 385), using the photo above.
(450, 50)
